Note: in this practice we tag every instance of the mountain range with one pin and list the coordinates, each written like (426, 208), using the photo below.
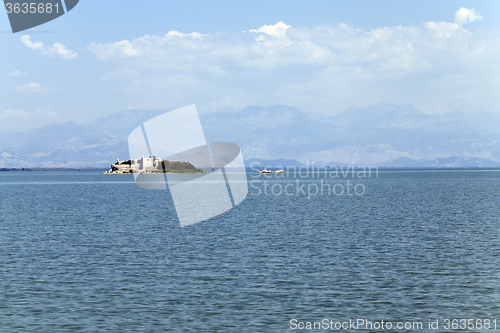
(382, 135)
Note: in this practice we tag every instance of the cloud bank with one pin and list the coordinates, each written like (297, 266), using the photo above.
(437, 66)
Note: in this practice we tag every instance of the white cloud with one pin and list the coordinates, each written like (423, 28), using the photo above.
(32, 87)
(14, 113)
(61, 51)
(140, 46)
(26, 39)
(108, 51)
(16, 73)
(278, 30)
(121, 73)
(280, 45)
(446, 29)
(20, 120)
(321, 68)
(464, 15)
(56, 50)
(11, 113)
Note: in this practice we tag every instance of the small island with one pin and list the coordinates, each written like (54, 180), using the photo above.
(151, 164)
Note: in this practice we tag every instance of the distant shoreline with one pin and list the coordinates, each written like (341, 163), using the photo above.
(258, 169)
(52, 169)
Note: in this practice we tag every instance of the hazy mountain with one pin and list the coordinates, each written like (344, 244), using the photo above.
(380, 116)
(63, 145)
(279, 122)
(372, 136)
(259, 163)
(122, 123)
(390, 135)
(94, 144)
(487, 123)
(11, 159)
(450, 162)
(269, 132)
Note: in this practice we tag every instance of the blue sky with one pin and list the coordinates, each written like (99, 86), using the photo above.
(321, 56)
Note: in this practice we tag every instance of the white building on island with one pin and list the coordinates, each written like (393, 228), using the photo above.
(142, 165)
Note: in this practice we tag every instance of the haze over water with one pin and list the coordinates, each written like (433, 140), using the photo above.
(85, 252)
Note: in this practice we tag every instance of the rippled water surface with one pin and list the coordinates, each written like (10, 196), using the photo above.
(85, 252)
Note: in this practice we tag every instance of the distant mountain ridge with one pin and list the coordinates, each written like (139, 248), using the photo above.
(121, 124)
(450, 162)
(257, 163)
(382, 135)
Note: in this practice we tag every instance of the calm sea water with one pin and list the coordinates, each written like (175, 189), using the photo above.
(85, 252)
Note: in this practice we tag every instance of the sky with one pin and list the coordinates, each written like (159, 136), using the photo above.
(319, 56)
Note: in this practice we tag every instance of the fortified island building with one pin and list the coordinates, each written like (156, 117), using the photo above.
(151, 164)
